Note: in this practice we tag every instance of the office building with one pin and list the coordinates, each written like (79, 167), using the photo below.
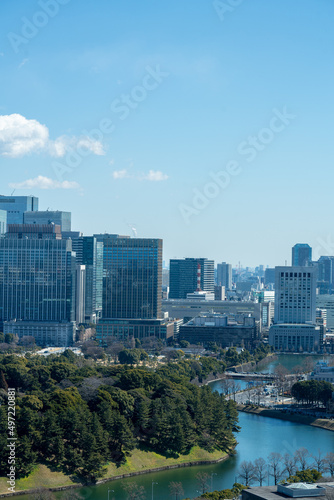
(295, 326)
(15, 207)
(183, 276)
(37, 282)
(224, 275)
(187, 309)
(326, 302)
(269, 276)
(219, 292)
(295, 294)
(301, 254)
(3, 222)
(132, 269)
(131, 300)
(294, 337)
(325, 278)
(89, 253)
(33, 231)
(80, 294)
(223, 330)
(125, 329)
(63, 219)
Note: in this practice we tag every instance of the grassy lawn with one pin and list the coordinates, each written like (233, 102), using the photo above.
(139, 460)
(143, 460)
(41, 476)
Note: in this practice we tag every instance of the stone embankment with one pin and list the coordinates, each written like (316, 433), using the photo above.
(324, 423)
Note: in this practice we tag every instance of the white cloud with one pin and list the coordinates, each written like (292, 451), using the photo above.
(41, 182)
(62, 144)
(120, 174)
(20, 136)
(155, 176)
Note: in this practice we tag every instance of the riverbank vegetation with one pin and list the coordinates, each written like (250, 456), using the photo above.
(301, 466)
(76, 417)
(312, 392)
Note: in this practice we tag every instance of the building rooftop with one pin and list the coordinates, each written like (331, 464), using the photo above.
(293, 490)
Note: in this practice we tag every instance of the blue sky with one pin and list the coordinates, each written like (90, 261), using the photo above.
(126, 114)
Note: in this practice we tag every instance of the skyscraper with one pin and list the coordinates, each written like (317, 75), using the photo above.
(294, 326)
(295, 292)
(15, 207)
(224, 275)
(132, 277)
(301, 254)
(325, 266)
(37, 284)
(132, 270)
(3, 221)
(89, 252)
(63, 219)
(183, 276)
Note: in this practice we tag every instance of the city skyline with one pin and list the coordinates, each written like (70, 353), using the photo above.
(174, 121)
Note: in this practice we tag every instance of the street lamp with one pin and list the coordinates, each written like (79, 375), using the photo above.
(212, 474)
(153, 483)
(109, 492)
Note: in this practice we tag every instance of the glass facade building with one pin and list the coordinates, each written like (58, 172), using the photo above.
(15, 207)
(132, 274)
(63, 219)
(224, 275)
(89, 252)
(3, 222)
(301, 254)
(183, 277)
(37, 279)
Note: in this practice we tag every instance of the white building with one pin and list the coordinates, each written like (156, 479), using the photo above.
(326, 301)
(295, 294)
(295, 337)
(323, 372)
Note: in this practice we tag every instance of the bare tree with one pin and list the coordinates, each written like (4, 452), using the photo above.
(329, 462)
(176, 489)
(258, 392)
(319, 462)
(249, 390)
(301, 456)
(260, 470)
(114, 349)
(134, 492)
(247, 472)
(235, 387)
(275, 466)
(280, 374)
(289, 464)
(202, 481)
